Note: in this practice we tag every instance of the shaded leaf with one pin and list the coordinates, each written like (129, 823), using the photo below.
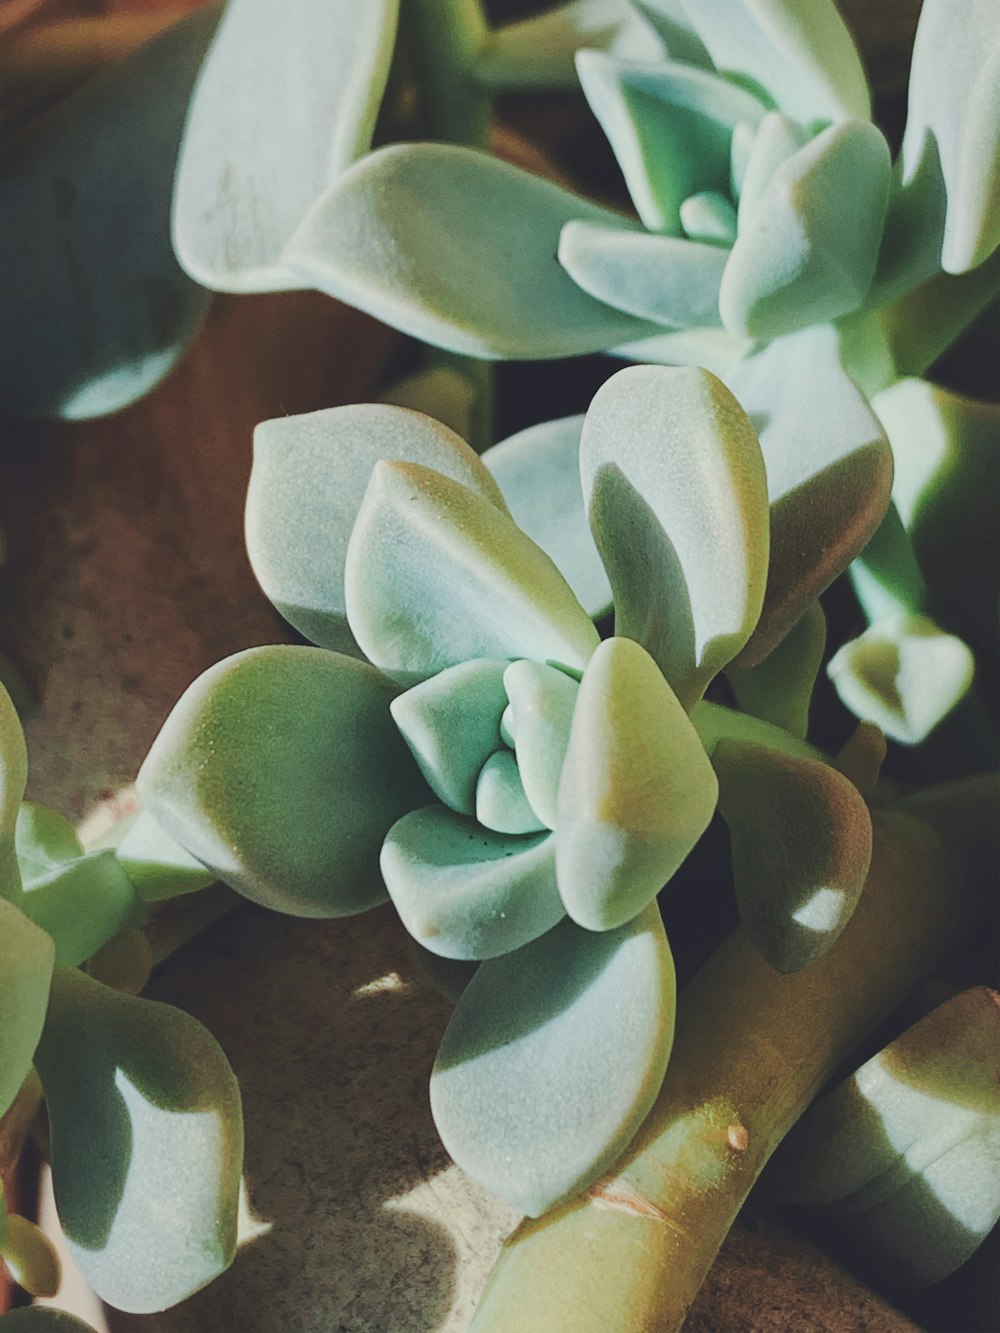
(13, 778)
(552, 1058)
(861, 756)
(779, 689)
(465, 891)
(435, 575)
(801, 839)
(308, 479)
(542, 700)
(147, 1143)
(458, 249)
(81, 904)
(674, 483)
(281, 770)
(44, 839)
(637, 789)
(27, 955)
(158, 866)
(501, 803)
(30, 1256)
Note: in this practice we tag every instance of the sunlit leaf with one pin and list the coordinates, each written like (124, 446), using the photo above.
(81, 904)
(157, 865)
(542, 700)
(147, 1143)
(281, 770)
(44, 839)
(552, 1058)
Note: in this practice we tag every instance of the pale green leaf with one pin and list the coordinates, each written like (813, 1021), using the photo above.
(501, 803)
(776, 140)
(281, 770)
(436, 575)
(542, 700)
(801, 55)
(716, 350)
(779, 689)
(674, 483)
(157, 865)
(287, 99)
(465, 891)
(13, 777)
(147, 1143)
(904, 674)
(457, 248)
(26, 958)
(96, 310)
(709, 216)
(808, 249)
(44, 839)
(307, 482)
(666, 279)
(637, 789)
(801, 839)
(82, 904)
(538, 471)
(669, 20)
(552, 1058)
(670, 127)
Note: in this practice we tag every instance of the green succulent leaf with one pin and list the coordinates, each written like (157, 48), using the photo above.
(465, 891)
(308, 479)
(81, 904)
(903, 673)
(439, 391)
(42, 1319)
(435, 575)
(13, 778)
(281, 770)
(801, 56)
(667, 17)
(953, 125)
(665, 279)
(147, 1143)
(776, 140)
(501, 802)
(287, 99)
(457, 248)
(808, 249)
(905, 1154)
(637, 789)
(538, 471)
(674, 483)
(716, 350)
(157, 865)
(30, 1256)
(451, 722)
(27, 955)
(44, 839)
(779, 689)
(542, 700)
(552, 1058)
(96, 310)
(801, 839)
(670, 127)
(829, 472)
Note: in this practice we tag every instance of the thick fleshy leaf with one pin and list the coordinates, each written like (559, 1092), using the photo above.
(95, 309)
(82, 904)
(953, 124)
(147, 1143)
(158, 866)
(802, 56)
(674, 483)
(281, 770)
(438, 391)
(666, 279)
(777, 139)
(829, 472)
(716, 350)
(779, 689)
(552, 1058)
(308, 479)
(861, 757)
(947, 492)
(808, 249)
(458, 249)
(904, 674)
(637, 789)
(905, 1154)
(451, 723)
(542, 700)
(43, 1319)
(30, 1256)
(709, 216)
(286, 101)
(538, 471)
(670, 127)
(501, 803)
(44, 839)
(13, 778)
(670, 21)
(801, 839)
(538, 52)
(436, 575)
(464, 891)
(26, 958)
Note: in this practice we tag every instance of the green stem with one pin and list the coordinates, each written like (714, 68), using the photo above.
(753, 1049)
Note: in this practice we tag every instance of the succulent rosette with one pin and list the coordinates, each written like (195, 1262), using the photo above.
(520, 788)
(144, 1112)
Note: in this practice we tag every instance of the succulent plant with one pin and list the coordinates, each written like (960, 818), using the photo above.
(520, 788)
(144, 1112)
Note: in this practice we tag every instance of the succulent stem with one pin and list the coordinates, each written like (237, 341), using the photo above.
(753, 1048)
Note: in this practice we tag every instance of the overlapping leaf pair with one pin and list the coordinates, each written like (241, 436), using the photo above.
(144, 1112)
(520, 788)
